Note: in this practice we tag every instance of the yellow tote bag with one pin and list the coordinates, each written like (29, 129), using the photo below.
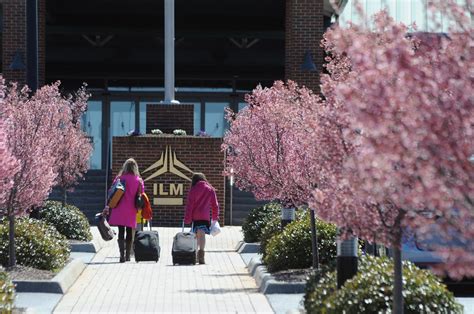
(139, 217)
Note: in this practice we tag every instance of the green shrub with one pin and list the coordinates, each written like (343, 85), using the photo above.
(370, 291)
(37, 243)
(272, 228)
(7, 293)
(68, 220)
(257, 219)
(291, 249)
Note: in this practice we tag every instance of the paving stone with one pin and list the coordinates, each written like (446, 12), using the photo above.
(222, 285)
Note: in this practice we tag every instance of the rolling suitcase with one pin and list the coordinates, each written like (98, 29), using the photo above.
(184, 248)
(146, 245)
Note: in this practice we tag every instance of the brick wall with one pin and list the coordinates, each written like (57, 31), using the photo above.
(41, 42)
(170, 117)
(199, 154)
(304, 27)
(14, 39)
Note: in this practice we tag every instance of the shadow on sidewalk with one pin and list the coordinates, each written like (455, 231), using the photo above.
(227, 275)
(102, 263)
(184, 265)
(221, 251)
(221, 291)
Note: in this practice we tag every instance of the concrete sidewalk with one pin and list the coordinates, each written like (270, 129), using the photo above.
(223, 285)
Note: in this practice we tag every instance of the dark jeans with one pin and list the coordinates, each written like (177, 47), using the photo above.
(121, 234)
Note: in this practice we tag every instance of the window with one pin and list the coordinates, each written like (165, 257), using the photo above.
(215, 118)
(92, 125)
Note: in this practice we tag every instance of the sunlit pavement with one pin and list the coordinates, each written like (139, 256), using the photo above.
(222, 285)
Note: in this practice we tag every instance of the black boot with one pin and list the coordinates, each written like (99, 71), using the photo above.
(121, 245)
(201, 257)
(128, 249)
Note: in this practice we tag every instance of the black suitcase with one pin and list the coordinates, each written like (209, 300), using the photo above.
(146, 246)
(184, 248)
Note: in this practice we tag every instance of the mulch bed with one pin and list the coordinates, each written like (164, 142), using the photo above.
(293, 275)
(20, 272)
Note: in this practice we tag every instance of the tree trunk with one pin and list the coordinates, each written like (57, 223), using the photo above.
(397, 277)
(64, 196)
(11, 243)
(314, 241)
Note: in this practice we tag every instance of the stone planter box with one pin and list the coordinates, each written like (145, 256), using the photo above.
(58, 284)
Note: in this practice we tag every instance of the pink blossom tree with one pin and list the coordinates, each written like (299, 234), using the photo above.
(75, 147)
(34, 138)
(260, 163)
(412, 102)
(284, 145)
(9, 164)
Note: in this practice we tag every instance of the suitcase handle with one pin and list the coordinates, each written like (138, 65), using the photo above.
(148, 223)
(182, 226)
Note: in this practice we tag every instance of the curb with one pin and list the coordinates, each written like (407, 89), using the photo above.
(93, 246)
(59, 284)
(266, 282)
(245, 248)
(85, 247)
(239, 245)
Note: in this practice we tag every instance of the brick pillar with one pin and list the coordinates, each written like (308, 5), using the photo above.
(41, 42)
(168, 118)
(304, 28)
(14, 39)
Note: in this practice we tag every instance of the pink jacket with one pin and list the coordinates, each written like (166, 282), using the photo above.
(125, 213)
(201, 199)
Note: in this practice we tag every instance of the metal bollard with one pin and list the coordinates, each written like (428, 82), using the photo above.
(346, 260)
(287, 216)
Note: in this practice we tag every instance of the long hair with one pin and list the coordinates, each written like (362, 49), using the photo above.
(130, 166)
(198, 176)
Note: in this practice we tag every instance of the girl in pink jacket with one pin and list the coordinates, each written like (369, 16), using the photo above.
(124, 215)
(201, 200)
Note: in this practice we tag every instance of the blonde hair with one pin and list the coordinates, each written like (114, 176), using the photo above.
(129, 166)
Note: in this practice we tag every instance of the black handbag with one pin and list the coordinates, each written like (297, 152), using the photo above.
(139, 201)
(106, 232)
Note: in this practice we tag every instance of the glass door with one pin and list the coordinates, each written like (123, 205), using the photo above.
(92, 125)
(122, 119)
(215, 122)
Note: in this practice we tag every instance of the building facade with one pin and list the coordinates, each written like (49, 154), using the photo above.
(413, 13)
(223, 49)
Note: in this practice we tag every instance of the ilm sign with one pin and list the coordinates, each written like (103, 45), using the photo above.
(172, 193)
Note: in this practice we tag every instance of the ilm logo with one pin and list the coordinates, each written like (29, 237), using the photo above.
(173, 193)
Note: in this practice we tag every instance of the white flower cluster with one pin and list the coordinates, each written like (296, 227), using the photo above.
(179, 132)
(7, 291)
(156, 131)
